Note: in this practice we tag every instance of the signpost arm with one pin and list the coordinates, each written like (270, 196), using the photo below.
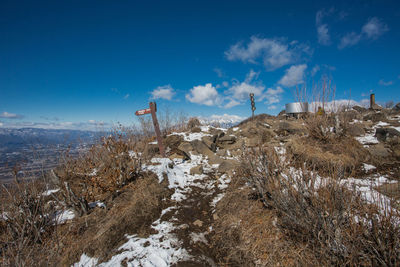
(157, 128)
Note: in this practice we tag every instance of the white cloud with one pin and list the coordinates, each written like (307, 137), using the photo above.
(274, 53)
(385, 83)
(126, 96)
(374, 28)
(7, 115)
(349, 39)
(204, 95)
(272, 107)
(323, 34)
(293, 76)
(314, 70)
(219, 72)
(163, 92)
(232, 103)
(225, 84)
(1, 124)
(273, 95)
(322, 29)
(241, 91)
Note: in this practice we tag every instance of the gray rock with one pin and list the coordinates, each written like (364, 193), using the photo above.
(359, 109)
(201, 148)
(227, 166)
(386, 134)
(196, 170)
(375, 117)
(396, 107)
(379, 151)
(355, 129)
(195, 130)
(193, 122)
(229, 139)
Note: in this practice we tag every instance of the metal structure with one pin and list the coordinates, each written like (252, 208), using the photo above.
(296, 108)
(253, 105)
(153, 109)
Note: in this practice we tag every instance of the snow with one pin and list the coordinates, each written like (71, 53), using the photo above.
(97, 204)
(191, 136)
(179, 177)
(163, 248)
(63, 216)
(198, 237)
(160, 249)
(368, 139)
(49, 192)
(368, 167)
(235, 129)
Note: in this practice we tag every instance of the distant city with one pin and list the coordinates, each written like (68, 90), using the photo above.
(33, 151)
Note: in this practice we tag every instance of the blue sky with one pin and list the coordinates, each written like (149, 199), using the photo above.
(75, 64)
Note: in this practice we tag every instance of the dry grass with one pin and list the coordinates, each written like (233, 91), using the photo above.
(330, 221)
(246, 234)
(100, 233)
(326, 146)
(26, 218)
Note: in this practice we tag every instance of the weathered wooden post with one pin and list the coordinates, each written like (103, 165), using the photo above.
(372, 101)
(153, 109)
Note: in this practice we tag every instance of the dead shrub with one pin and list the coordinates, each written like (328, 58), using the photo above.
(333, 222)
(101, 232)
(25, 222)
(105, 168)
(246, 234)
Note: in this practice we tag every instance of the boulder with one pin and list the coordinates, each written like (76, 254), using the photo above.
(290, 127)
(396, 107)
(214, 159)
(208, 140)
(173, 141)
(375, 117)
(227, 139)
(195, 130)
(227, 166)
(379, 151)
(221, 152)
(176, 156)
(196, 170)
(351, 115)
(360, 109)
(193, 122)
(201, 148)
(375, 107)
(386, 134)
(356, 129)
(185, 147)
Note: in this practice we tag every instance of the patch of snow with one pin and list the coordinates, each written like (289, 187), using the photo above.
(3, 216)
(133, 154)
(179, 177)
(191, 136)
(153, 143)
(86, 261)
(97, 204)
(93, 173)
(381, 123)
(49, 192)
(235, 129)
(217, 199)
(63, 216)
(161, 249)
(198, 237)
(368, 167)
(368, 139)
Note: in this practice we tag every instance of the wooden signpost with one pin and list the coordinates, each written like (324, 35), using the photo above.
(153, 109)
